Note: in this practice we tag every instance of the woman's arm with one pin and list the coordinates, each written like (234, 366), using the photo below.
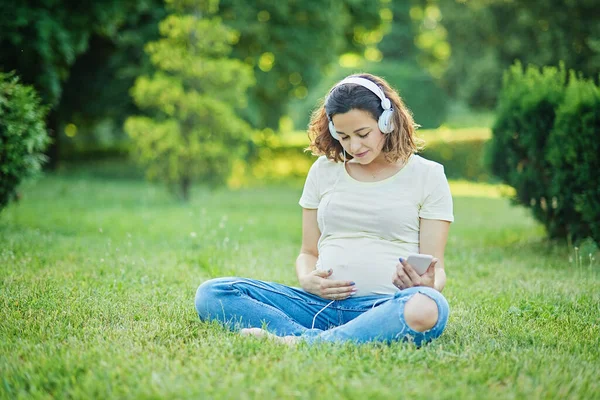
(432, 240)
(307, 260)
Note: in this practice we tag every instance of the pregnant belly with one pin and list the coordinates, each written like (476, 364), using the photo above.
(370, 263)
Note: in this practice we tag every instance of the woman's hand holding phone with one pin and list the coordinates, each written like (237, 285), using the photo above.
(406, 275)
(317, 283)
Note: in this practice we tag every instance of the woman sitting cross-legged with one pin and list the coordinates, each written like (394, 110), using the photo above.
(368, 202)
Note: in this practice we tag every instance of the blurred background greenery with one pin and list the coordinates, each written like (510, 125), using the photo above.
(446, 57)
(212, 98)
(220, 92)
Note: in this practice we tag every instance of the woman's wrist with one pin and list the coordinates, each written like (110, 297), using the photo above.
(301, 280)
(440, 282)
(305, 264)
(303, 277)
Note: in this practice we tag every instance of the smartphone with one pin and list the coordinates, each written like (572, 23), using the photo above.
(420, 262)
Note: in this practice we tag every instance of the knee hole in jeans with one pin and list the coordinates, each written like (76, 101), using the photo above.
(421, 312)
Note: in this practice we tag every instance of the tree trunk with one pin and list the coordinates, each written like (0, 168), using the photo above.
(53, 151)
(185, 188)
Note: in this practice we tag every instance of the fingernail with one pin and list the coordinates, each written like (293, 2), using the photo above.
(401, 259)
(352, 283)
(330, 270)
(354, 290)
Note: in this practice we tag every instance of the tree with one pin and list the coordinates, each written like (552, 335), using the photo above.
(487, 36)
(191, 131)
(392, 52)
(43, 40)
(398, 42)
(291, 43)
(402, 58)
(96, 92)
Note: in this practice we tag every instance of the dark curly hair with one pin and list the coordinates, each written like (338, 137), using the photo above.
(399, 144)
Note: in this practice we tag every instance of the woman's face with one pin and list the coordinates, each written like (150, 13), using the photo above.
(359, 135)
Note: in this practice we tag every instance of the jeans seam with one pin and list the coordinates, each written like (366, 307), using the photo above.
(273, 291)
(362, 309)
(287, 317)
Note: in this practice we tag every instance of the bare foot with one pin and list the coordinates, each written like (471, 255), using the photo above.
(257, 332)
(261, 333)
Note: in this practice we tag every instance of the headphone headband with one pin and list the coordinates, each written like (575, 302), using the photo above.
(385, 122)
(385, 102)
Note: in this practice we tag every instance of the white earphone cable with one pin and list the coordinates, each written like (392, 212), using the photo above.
(322, 309)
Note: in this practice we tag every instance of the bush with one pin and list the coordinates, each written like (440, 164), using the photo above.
(544, 144)
(525, 117)
(23, 135)
(573, 153)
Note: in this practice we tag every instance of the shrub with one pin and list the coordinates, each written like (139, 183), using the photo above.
(525, 117)
(544, 144)
(573, 153)
(23, 135)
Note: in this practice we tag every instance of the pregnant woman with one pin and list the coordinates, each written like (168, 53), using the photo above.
(368, 202)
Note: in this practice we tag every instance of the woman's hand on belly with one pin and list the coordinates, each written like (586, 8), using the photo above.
(406, 277)
(317, 283)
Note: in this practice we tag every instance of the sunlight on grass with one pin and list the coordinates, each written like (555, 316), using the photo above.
(473, 189)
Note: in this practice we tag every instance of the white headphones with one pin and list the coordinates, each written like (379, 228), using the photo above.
(385, 123)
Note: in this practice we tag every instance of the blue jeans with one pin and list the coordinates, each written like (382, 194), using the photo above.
(283, 310)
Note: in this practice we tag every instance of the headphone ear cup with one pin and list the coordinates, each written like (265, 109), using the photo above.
(333, 132)
(386, 122)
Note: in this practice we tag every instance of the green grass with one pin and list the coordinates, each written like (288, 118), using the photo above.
(97, 279)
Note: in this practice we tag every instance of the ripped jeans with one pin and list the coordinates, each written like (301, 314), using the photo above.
(283, 310)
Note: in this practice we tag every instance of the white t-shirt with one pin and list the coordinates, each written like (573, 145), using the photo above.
(366, 226)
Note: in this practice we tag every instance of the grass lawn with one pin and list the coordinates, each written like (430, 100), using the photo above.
(97, 279)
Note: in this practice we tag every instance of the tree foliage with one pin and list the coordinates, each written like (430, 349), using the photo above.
(193, 132)
(401, 59)
(23, 135)
(487, 36)
(42, 40)
(398, 42)
(105, 72)
(291, 43)
(81, 57)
